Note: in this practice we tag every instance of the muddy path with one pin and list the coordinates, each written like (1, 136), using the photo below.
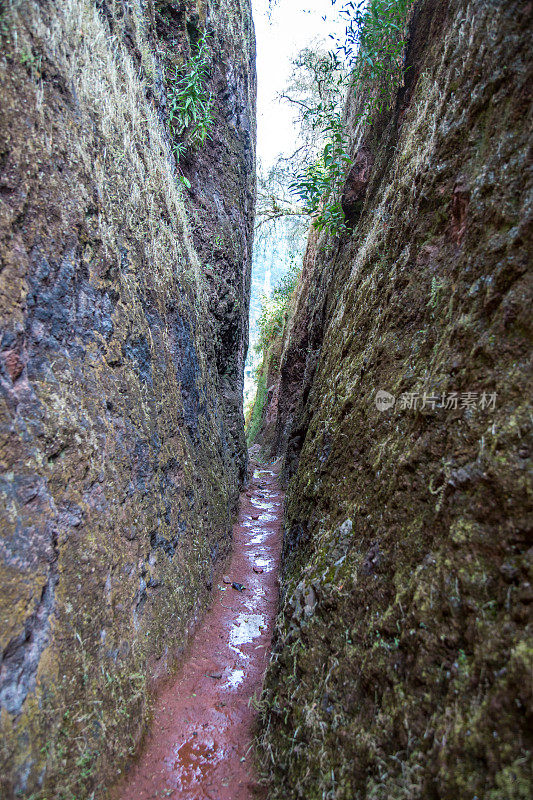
(199, 743)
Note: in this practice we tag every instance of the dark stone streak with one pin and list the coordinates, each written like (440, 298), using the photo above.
(20, 660)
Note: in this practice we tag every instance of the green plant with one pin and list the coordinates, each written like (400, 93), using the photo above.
(254, 424)
(323, 82)
(317, 186)
(275, 308)
(190, 105)
(438, 285)
(373, 46)
(372, 49)
(4, 22)
(275, 311)
(31, 62)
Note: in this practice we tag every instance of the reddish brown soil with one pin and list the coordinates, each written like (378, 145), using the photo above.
(200, 743)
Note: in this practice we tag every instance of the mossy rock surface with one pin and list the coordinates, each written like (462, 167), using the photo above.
(402, 656)
(121, 454)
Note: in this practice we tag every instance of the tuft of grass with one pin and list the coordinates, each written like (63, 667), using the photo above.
(32, 62)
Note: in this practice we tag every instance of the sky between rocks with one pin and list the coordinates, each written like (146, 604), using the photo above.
(293, 25)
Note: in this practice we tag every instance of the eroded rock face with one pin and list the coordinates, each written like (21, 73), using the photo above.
(406, 672)
(356, 184)
(221, 203)
(121, 447)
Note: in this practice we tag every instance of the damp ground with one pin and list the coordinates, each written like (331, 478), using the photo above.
(200, 742)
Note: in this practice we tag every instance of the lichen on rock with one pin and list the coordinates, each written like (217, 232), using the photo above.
(121, 456)
(408, 673)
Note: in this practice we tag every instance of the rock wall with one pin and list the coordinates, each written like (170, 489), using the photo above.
(222, 204)
(403, 657)
(123, 335)
(262, 418)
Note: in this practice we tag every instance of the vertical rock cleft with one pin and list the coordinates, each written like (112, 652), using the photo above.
(124, 286)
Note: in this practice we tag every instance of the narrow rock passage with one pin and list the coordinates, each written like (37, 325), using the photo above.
(199, 744)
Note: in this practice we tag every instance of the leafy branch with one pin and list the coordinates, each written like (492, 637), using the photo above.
(372, 50)
(373, 47)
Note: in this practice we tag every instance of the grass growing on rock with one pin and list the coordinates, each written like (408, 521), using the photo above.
(127, 462)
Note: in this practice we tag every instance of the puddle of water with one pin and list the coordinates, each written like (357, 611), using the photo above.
(194, 761)
(263, 504)
(261, 562)
(246, 628)
(235, 677)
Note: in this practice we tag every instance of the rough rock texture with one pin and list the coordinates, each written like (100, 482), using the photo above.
(121, 354)
(222, 204)
(403, 657)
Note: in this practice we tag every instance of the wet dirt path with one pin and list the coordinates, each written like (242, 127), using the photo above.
(199, 744)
